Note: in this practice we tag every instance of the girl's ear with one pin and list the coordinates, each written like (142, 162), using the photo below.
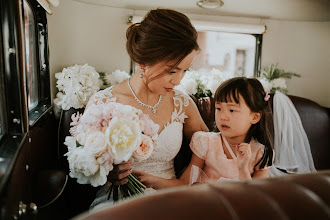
(256, 117)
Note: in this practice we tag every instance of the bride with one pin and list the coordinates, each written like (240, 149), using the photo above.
(164, 45)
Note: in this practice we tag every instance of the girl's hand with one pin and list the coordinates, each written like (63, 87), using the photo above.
(119, 172)
(147, 179)
(243, 154)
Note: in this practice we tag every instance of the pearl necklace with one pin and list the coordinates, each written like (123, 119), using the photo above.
(145, 105)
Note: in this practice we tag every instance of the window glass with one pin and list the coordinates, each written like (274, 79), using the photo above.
(1, 124)
(31, 57)
(232, 53)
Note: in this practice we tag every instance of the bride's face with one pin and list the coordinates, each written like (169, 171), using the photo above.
(171, 78)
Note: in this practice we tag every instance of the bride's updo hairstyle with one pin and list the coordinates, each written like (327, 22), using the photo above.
(163, 35)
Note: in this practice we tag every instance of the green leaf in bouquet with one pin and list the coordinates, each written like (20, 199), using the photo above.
(110, 191)
(78, 144)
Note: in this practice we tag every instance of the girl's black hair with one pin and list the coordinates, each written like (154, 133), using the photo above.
(253, 93)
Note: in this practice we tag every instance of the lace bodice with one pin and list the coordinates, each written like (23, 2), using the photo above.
(161, 161)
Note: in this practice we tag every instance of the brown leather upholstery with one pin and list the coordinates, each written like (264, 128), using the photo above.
(49, 186)
(305, 196)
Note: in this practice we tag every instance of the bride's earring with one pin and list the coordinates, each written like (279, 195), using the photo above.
(141, 74)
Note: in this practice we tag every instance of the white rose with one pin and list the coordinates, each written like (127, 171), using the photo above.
(279, 83)
(124, 136)
(145, 149)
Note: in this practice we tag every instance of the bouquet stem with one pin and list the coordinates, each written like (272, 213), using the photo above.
(131, 188)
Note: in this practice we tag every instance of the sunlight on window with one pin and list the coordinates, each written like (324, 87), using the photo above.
(31, 59)
(231, 53)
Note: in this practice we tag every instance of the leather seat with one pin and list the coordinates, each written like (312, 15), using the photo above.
(304, 196)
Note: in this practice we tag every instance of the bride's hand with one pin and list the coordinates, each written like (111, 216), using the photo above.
(119, 172)
(147, 179)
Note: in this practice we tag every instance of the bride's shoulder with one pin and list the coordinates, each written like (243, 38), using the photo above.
(180, 96)
(102, 96)
(109, 94)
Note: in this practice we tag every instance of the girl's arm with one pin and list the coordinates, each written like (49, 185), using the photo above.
(155, 182)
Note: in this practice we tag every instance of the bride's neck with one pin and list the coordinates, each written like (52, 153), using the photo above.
(141, 89)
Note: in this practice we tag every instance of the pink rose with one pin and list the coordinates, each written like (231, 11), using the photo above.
(145, 149)
(149, 127)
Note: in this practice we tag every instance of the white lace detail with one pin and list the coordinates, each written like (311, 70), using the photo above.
(104, 96)
(180, 99)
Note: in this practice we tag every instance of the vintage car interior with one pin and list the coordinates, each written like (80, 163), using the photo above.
(40, 38)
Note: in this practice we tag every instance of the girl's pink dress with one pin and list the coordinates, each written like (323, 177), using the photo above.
(208, 146)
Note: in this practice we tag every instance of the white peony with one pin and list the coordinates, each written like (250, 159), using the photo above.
(124, 136)
(96, 143)
(86, 168)
(81, 161)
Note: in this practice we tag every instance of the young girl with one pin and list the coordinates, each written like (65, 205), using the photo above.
(243, 147)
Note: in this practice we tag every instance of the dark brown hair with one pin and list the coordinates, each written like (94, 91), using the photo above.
(251, 90)
(163, 35)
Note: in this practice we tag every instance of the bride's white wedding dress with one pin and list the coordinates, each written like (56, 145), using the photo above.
(161, 161)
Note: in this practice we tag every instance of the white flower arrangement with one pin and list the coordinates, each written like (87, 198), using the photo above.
(113, 78)
(202, 82)
(76, 84)
(272, 78)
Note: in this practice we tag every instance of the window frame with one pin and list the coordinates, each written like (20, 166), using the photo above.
(44, 97)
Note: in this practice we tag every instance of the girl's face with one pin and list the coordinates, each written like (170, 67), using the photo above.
(234, 120)
(172, 78)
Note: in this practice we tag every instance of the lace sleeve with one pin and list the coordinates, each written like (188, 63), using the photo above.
(181, 101)
(103, 96)
(199, 144)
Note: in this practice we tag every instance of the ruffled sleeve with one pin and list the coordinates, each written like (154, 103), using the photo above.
(199, 144)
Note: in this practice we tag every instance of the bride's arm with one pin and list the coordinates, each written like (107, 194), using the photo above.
(155, 182)
(194, 122)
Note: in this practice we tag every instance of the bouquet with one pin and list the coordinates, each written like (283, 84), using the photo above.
(272, 78)
(202, 83)
(76, 84)
(108, 134)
